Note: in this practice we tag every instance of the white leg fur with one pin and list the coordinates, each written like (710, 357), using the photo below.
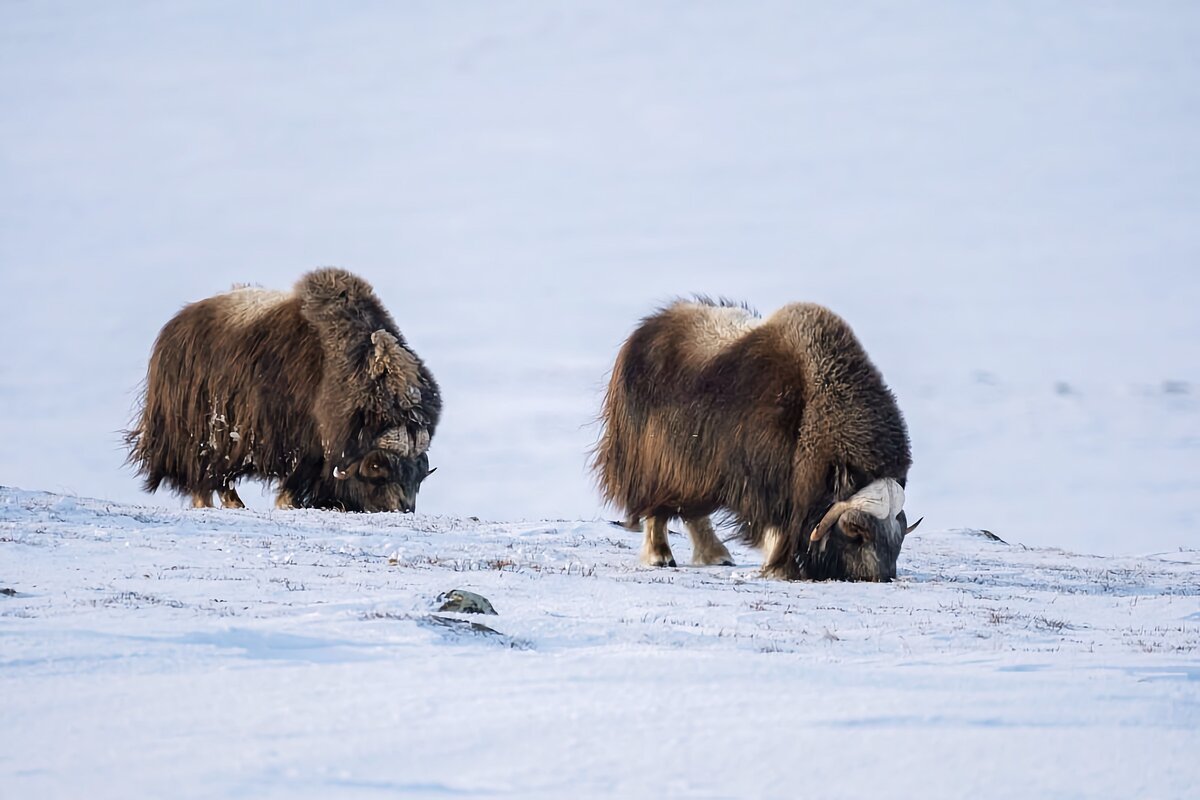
(656, 552)
(772, 545)
(707, 549)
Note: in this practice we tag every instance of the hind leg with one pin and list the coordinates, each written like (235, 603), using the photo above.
(655, 550)
(284, 500)
(202, 500)
(707, 549)
(229, 498)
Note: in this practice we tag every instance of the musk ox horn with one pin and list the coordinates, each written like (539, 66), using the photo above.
(913, 527)
(398, 441)
(882, 499)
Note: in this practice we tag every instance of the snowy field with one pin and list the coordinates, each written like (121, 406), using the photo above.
(155, 653)
(1001, 197)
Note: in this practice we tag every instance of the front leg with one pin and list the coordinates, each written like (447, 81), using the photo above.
(707, 549)
(230, 499)
(656, 552)
(779, 559)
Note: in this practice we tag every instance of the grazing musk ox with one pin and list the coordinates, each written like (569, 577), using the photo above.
(783, 423)
(314, 390)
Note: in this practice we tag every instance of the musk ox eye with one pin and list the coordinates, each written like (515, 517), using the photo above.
(375, 468)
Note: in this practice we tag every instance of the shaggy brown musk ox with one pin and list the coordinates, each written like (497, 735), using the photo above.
(314, 390)
(784, 423)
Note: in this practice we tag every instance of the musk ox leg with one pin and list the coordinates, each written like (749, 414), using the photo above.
(655, 550)
(284, 500)
(202, 500)
(779, 559)
(229, 498)
(707, 549)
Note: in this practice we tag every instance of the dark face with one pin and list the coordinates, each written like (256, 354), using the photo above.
(383, 481)
(859, 547)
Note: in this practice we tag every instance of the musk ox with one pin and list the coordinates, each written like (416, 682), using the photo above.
(313, 390)
(783, 423)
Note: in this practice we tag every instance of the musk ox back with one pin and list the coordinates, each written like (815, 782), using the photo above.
(783, 423)
(314, 390)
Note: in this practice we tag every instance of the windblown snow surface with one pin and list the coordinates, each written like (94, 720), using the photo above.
(155, 653)
(1000, 197)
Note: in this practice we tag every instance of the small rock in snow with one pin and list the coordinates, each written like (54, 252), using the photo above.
(464, 602)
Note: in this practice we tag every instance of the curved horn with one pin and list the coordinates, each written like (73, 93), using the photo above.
(882, 499)
(396, 440)
(831, 516)
(913, 527)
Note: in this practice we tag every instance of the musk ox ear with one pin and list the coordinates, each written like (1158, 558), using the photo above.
(393, 362)
(856, 527)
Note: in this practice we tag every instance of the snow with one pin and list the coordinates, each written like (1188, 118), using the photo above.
(1001, 199)
(152, 652)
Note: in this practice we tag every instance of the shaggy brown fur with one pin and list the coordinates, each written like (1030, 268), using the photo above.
(710, 408)
(295, 388)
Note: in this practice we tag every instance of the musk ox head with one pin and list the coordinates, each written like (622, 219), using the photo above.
(388, 476)
(859, 539)
(383, 471)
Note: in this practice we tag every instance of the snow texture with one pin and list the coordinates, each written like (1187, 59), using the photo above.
(151, 653)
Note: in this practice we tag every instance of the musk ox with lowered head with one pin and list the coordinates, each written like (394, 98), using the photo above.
(314, 390)
(784, 423)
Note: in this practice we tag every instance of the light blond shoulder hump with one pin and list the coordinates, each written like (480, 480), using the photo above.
(244, 305)
(712, 327)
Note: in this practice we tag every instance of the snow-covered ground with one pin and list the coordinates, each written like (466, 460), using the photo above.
(158, 653)
(1001, 197)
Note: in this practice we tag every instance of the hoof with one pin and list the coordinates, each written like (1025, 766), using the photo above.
(658, 561)
(722, 562)
(713, 560)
